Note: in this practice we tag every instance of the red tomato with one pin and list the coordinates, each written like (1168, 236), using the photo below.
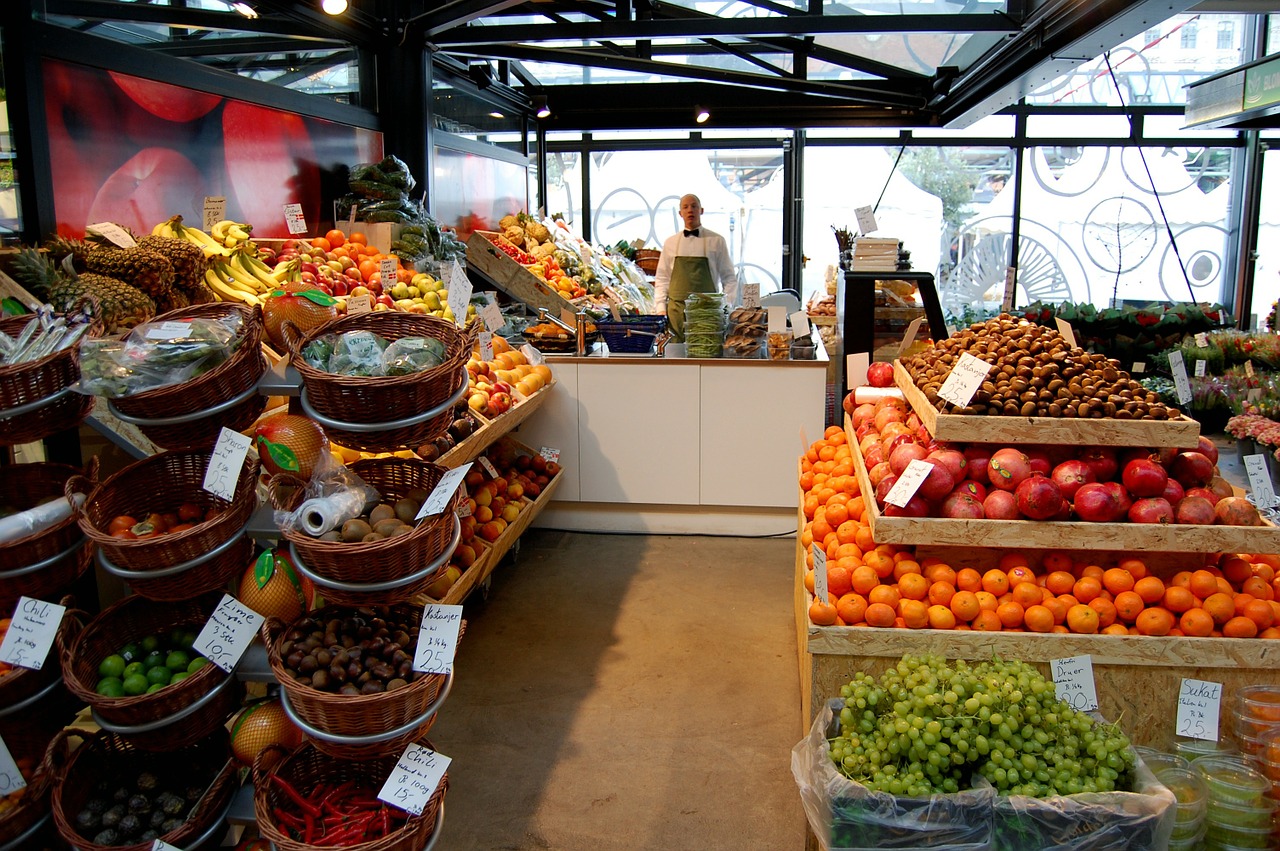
(189, 511)
(120, 523)
(181, 527)
(124, 535)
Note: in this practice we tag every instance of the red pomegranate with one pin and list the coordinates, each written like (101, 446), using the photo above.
(1152, 509)
(1001, 505)
(1192, 469)
(953, 460)
(1194, 511)
(1095, 503)
(1071, 475)
(1144, 477)
(1237, 511)
(1102, 460)
(938, 485)
(915, 507)
(1207, 448)
(978, 455)
(962, 506)
(1038, 497)
(1008, 468)
(974, 489)
(1173, 492)
(903, 454)
(1123, 499)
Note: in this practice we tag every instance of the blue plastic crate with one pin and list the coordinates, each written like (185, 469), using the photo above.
(631, 334)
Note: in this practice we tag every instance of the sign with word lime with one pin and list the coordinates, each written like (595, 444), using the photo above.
(228, 633)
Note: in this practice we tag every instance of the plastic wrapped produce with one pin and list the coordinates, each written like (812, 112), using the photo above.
(704, 324)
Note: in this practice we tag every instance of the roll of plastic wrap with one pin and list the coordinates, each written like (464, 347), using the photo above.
(868, 395)
(33, 520)
(326, 513)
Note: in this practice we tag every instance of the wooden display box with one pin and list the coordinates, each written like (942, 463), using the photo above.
(379, 234)
(510, 277)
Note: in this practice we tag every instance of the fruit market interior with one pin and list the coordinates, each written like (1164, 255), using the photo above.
(349, 345)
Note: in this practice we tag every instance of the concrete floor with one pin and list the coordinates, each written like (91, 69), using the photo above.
(627, 692)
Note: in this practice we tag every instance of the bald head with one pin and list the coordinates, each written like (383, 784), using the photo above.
(691, 211)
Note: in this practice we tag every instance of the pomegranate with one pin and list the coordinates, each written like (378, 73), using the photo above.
(873, 456)
(850, 405)
(1153, 509)
(938, 485)
(1173, 492)
(895, 429)
(1038, 497)
(1123, 499)
(915, 507)
(953, 460)
(903, 454)
(1194, 511)
(978, 455)
(1008, 468)
(1144, 477)
(1192, 469)
(1221, 487)
(1102, 460)
(1207, 448)
(880, 374)
(1071, 475)
(891, 443)
(868, 428)
(865, 412)
(913, 422)
(887, 415)
(1236, 511)
(879, 473)
(975, 489)
(962, 506)
(1040, 461)
(1095, 503)
(1001, 505)
(884, 487)
(1205, 493)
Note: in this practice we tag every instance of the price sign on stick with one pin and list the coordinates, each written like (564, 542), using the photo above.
(1202, 340)
(31, 632)
(777, 319)
(1198, 705)
(552, 455)
(223, 472)
(443, 491)
(1067, 332)
(856, 365)
(491, 316)
(414, 779)
(800, 324)
(1181, 384)
(215, 210)
(459, 293)
(820, 589)
(908, 338)
(228, 633)
(908, 483)
(1073, 681)
(1255, 467)
(387, 272)
(294, 220)
(964, 380)
(1010, 288)
(10, 777)
(1138, 367)
(1248, 368)
(437, 639)
(1202, 367)
(866, 220)
(486, 345)
(750, 295)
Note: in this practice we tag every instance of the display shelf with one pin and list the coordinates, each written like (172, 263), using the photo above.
(1180, 433)
(509, 276)
(491, 430)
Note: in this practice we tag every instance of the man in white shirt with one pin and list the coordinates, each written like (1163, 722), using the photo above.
(694, 260)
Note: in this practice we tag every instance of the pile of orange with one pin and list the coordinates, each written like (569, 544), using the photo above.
(366, 258)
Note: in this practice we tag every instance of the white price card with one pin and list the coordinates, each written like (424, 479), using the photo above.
(1248, 368)
(414, 779)
(1202, 367)
(1139, 367)
(614, 312)
(488, 467)
(1073, 682)
(820, 589)
(951, 330)
(215, 210)
(1202, 340)
(168, 330)
(464, 509)
(387, 268)
(228, 633)
(486, 345)
(1181, 384)
(866, 217)
(750, 295)
(294, 220)
(31, 633)
(532, 355)
(358, 304)
(459, 293)
(161, 845)
(1255, 467)
(437, 639)
(777, 319)
(1198, 705)
(491, 316)
(800, 324)
(1010, 288)
(855, 367)
(443, 491)
(223, 472)
(552, 455)
(1068, 333)
(1254, 395)
(11, 779)
(113, 233)
(964, 380)
(913, 328)
(908, 483)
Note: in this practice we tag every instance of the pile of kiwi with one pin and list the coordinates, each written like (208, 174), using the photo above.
(385, 520)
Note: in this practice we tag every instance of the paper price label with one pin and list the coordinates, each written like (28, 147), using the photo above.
(951, 331)
(437, 639)
(820, 589)
(532, 355)
(750, 295)
(1201, 368)
(215, 210)
(800, 324)
(113, 233)
(160, 844)
(1068, 333)
(486, 345)
(1248, 368)
(552, 455)
(1182, 384)
(1010, 288)
(223, 472)
(910, 337)
(866, 220)
(31, 632)
(1073, 681)
(464, 510)
(228, 633)
(1138, 367)
(856, 366)
(414, 779)
(294, 220)
(614, 312)
(488, 467)
(443, 491)
(777, 319)
(358, 304)
(1254, 395)
(964, 380)
(1255, 467)
(10, 777)
(1202, 340)
(168, 330)
(387, 268)
(491, 316)
(908, 483)
(459, 293)
(1198, 705)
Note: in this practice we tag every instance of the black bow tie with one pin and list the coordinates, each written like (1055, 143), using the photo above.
(693, 232)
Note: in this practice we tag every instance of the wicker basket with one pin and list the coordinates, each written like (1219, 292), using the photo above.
(228, 391)
(210, 552)
(129, 620)
(647, 260)
(48, 579)
(348, 406)
(32, 484)
(385, 561)
(35, 398)
(632, 334)
(103, 755)
(305, 767)
(35, 800)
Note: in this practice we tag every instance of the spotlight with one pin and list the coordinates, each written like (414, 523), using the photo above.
(245, 9)
(701, 114)
(333, 7)
(540, 107)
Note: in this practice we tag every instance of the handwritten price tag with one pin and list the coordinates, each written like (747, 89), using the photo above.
(443, 491)
(1202, 340)
(486, 345)
(1248, 368)
(10, 777)
(1255, 467)
(1010, 288)
(800, 324)
(437, 639)
(160, 844)
(1202, 367)
(532, 355)
(228, 633)
(1138, 367)
(552, 455)
(1067, 332)
(491, 316)
(820, 589)
(30, 635)
(750, 295)
(168, 330)
(459, 293)
(1198, 705)
(1181, 384)
(908, 483)
(777, 319)
(414, 779)
(114, 233)
(910, 337)
(964, 380)
(294, 220)
(387, 271)
(866, 220)
(488, 467)
(224, 464)
(215, 210)
(1073, 681)
(358, 304)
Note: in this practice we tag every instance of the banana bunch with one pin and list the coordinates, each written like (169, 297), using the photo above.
(225, 237)
(231, 234)
(243, 277)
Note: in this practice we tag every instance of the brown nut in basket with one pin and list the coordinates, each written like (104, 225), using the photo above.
(36, 399)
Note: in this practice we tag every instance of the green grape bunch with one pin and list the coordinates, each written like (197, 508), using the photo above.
(927, 726)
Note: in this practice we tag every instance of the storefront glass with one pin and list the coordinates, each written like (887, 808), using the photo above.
(1266, 271)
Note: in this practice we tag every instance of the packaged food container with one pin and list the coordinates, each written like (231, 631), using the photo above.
(1231, 781)
(1260, 702)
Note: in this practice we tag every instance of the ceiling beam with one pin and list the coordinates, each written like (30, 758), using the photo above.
(196, 47)
(200, 19)
(454, 15)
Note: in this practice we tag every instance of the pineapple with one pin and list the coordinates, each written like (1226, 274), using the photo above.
(188, 263)
(147, 270)
(174, 299)
(119, 305)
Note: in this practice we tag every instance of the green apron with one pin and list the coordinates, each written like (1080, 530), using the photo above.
(688, 275)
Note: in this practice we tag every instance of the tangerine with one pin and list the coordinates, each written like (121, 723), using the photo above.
(906, 566)
(1154, 621)
(987, 621)
(1220, 607)
(1082, 619)
(1011, 559)
(852, 608)
(1181, 579)
(939, 572)
(1258, 587)
(1260, 612)
(995, 581)
(1178, 599)
(1150, 589)
(1018, 574)
(1010, 614)
(1117, 580)
(941, 592)
(1038, 618)
(913, 586)
(1057, 561)
(1270, 632)
(1027, 594)
(965, 606)
(968, 579)
(886, 594)
(1085, 589)
(1092, 571)
(941, 617)
(1129, 604)
(879, 562)
(987, 601)
(1060, 582)
(914, 613)
(1203, 584)
(835, 513)
(1240, 627)
(1057, 608)
(880, 614)
(1115, 629)
(1137, 567)
(864, 578)
(838, 581)
(822, 613)
(1106, 610)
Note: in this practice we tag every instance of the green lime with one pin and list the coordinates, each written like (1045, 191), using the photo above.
(151, 643)
(175, 637)
(134, 668)
(188, 639)
(159, 675)
(179, 677)
(196, 664)
(155, 687)
(112, 666)
(131, 651)
(135, 685)
(110, 687)
(177, 660)
(154, 660)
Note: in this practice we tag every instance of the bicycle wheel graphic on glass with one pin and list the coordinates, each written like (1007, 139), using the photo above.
(979, 277)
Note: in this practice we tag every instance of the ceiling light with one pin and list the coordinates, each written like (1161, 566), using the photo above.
(540, 107)
(333, 7)
(245, 9)
(496, 114)
(701, 114)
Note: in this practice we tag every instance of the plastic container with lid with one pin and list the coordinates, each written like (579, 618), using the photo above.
(1259, 702)
(1189, 788)
(1192, 749)
(1233, 815)
(1158, 760)
(1230, 838)
(1232, 781)
(1247, 725)
(1188, 837)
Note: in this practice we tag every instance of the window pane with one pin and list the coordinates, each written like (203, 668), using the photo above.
(10, 212)
(1266, 272)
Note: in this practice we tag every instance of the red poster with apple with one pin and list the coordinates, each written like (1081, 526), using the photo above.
(136, 151)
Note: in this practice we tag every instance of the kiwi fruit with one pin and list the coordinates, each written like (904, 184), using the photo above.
(380, 513)
(333, 536)
(402, 529)
(353, 531)
(407, 509)
(418, 495)
(371, 537)
(387, 527)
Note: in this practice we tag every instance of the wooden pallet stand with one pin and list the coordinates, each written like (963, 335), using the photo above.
(492, 429)
(510, 277)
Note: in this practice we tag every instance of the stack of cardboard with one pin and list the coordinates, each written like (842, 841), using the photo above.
(872, 254)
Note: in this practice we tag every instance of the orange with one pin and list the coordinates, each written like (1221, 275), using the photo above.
(1182, 579)
(987, 622)
(836, 513)
(847, 533)
(321, 243)
(913, 586)
(1038, 619)
(1129, 604)
(1106, 611)
(1092, 571)
(1220, 607)
(852, 608)
(1203, 584)
(1086, 587)
(808, 580)
(838, 581)
(941, 617)
(864, 578)
(1270, 632)
(1117, 580)
(821, 528)
(827, 452)
(1260, 612)
(995, 582)
(863, 538)
(940, 593)
(1019, 574)
(880, 563)
(939, 572)
(1059, 582)
(906, 566)
(1258, 587)
(358, 238)
(1012, 559)
(965, 605)
(1150, 589)
(1057, 608)
(914, 613)
(886, 594)
(1027, 594)
(968, 579)
(1137, 567)
(1196, 622)
(1178, 599)
(806, 481)
(1115, 629)
(1010, 614)
(833, 430)
(1082, 619)
(336, 238)
(822, 613)
(880, 614)
(848, 551)
(987, 601)
(1154, 621)
(1240, 628)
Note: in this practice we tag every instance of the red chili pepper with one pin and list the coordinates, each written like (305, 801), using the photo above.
(310, 834)
(295, 796)
(288, 819)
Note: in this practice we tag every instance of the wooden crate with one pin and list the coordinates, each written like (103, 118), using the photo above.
(510, 277)
(1181, 433)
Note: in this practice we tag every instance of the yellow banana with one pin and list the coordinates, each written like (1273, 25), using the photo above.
(158, 230)
(262, 280)
(226, 292)
(252, 263)
(239, 231)
(219, 231)
(230, 269)
(230, 241)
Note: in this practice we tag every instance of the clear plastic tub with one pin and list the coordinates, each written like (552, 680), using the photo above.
(1226, 837)
(1191, 791)
(1231, 815)
(1159, 760)
(1231, 781)
(1192, 749)
(1186, 840)
(1259, 702)
(1247, 725)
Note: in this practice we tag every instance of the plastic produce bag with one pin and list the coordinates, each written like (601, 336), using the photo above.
(357, 353)
(412, 354)
(156, 354)
(333, 496)
(847, 816)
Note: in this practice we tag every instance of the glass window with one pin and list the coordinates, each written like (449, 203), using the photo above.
(10, 211)
(564, 186)
(1266, 271)
(1188, 36)
(1226, 34)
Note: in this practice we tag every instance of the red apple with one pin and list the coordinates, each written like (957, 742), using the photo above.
(164, 100)
(270, 161)
(147, 189)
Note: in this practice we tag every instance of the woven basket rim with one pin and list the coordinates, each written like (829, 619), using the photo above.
(89, 471)
(296, 344)
(12, 371)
